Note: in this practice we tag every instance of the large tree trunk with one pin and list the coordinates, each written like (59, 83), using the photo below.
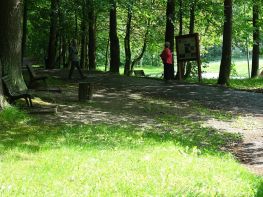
(51, 61)
(114, 40)
(191, 31)
(169, 31)
(11, 40)
(24, 36)
(92, 36)
(225, 66)
(3, 102)
(127, 44)
(256, 39)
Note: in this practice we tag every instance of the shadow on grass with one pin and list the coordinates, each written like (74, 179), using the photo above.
(32, 136)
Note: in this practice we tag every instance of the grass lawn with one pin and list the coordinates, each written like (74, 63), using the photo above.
(37, 159)
(241, 68)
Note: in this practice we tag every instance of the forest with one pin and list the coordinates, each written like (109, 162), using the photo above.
(119, 127)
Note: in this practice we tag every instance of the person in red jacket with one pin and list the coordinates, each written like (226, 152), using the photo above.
(167, 58)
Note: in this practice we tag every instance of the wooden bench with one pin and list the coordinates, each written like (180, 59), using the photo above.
(33, 77)
(13, 93)
(140, 73)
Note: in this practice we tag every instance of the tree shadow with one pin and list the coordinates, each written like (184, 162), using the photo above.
(34, 137)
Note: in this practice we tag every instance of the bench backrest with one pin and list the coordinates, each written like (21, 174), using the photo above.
(31, 71)
(139, 73)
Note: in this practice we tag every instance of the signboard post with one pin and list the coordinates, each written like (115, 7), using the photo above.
(187, 49)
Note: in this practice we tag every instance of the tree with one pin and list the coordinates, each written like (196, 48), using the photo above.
(52, 51)
(114, 40)
(92, 35)
(169, 32)
(225, 66)
(10, 43)
(25, 10)
(84, 24)
(127, 45)
(256, 39)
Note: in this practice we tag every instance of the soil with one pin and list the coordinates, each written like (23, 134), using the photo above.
(120, 100)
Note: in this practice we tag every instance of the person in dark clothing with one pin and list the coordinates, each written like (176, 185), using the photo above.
(167, 58)
(74, 59)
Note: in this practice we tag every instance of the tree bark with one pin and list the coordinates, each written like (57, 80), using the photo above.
(84, 24)
(107, 54)
(114, 40)
(169, 31)
(3, 102)
(11, 40)
(24, 36)
(92, 36)
(256, 39)
(180, 17)
(127, 45)
(225, 66)
(11, 44)
(51, 61)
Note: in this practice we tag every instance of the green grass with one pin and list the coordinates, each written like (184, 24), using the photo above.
(241, 68)
(104, 160)
(241, 84)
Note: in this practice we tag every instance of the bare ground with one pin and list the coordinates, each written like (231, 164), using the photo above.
(139, 101)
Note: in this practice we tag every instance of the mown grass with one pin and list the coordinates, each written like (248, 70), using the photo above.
(241, 84)
(240, 67)
(181, 159)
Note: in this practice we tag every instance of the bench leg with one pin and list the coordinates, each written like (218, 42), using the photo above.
(28, 101)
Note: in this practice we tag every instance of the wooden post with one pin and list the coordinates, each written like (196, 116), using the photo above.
(85, 91)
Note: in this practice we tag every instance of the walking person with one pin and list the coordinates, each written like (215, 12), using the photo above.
(74, 59)
(167, 58)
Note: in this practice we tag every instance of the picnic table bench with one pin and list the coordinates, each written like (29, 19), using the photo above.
(33, 76)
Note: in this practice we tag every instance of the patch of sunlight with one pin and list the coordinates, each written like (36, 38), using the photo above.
(39, 101)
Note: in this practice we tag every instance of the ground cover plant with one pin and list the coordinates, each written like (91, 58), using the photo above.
(181, 159)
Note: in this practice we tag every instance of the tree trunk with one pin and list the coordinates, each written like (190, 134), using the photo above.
(169, 32)
(114, 40)
(92, 36)
(3, 102)
(137, 59)
(84, 24)
(256, 39)
(24, 36)
(225, 66)
(76, 24)
(51, 61)
(191, 31)
(11, 43)
(127, 45)
(107, 54)
(180, 17)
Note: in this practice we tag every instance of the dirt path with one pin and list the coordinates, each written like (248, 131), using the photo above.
(118, 97)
